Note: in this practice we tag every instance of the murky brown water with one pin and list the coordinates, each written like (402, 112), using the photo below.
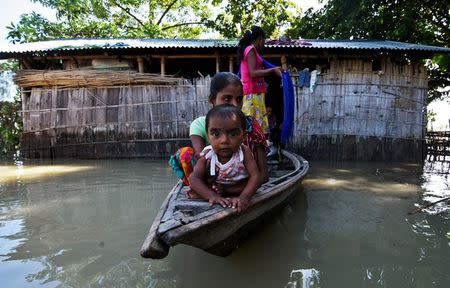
(81, 224)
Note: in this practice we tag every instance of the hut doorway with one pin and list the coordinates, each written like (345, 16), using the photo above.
(274, 105)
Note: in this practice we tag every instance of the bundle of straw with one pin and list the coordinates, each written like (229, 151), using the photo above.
(88, 78)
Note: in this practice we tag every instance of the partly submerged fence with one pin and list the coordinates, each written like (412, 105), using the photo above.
(438, 144)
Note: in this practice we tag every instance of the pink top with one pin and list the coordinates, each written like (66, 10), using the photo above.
(252, 85)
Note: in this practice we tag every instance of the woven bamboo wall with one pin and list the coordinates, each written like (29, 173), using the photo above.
(357, 113)
(123, 121)
(353, 113)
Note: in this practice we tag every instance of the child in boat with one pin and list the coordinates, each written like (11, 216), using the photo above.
(226, 88)
(226, 162)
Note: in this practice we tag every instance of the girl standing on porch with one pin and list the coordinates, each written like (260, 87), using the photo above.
(253, 73)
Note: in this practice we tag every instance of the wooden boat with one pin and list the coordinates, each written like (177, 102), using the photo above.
(215, 229)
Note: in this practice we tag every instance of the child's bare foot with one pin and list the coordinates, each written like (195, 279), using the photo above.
(191, 194)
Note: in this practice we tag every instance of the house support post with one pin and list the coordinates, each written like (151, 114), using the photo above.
(140, 62)
(163, 66)
(283, 61)
(217, 62)
(230, 64)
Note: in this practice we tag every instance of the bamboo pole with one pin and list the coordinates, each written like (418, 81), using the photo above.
(230, 64)
(283, 62)
(163, 66)
(88, 78)
(140, 61)
(217, 62)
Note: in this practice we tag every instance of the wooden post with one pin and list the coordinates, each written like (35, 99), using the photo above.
(73, 64)
(26, 64)
(230, 64)
(318, 68)
(25, 104)
(283, 62)
(140, 61)
(217, 62)
(163, 65)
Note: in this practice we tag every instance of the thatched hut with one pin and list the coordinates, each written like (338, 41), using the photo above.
(137, 97)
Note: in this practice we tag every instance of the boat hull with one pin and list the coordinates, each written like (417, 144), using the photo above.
(222, 237)
(219, 230)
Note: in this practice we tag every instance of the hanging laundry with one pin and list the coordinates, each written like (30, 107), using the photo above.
(304, 78)
(313, 81)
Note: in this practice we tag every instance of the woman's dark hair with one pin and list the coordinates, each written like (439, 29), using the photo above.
(220, 81)
(225, 111)
(249, 36)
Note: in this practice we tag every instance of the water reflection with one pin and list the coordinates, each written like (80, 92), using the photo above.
(348, 226)
(436, 186)
(361, 235)
(13, 173)
(261, 261)
(81, 227)
(308, 278)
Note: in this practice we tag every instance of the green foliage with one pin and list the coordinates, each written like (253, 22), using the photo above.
(152, 19)
(238, 16)
(414, 21)
(10, 120)
(10, 126)
(9, 65)
(114, 19)
(33, 27)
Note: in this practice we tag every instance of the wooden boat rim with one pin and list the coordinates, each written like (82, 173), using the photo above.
(301, 167)
(154, 247)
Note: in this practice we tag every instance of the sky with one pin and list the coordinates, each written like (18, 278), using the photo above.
(12, 9)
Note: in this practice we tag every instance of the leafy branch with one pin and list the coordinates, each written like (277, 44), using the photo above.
(166, 11)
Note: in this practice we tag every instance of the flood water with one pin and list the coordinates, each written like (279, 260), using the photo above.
(79, 223)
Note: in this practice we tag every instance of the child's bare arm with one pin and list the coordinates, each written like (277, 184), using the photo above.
(198, 184)
(241, 202)
(261, 162)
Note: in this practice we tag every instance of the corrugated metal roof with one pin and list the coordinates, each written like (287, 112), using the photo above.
(121, 44)
(109, 44)
(356, 44)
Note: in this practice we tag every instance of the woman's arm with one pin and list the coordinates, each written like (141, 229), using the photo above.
(197, 134)
(198, 184)
(198, 143)
(251, 62)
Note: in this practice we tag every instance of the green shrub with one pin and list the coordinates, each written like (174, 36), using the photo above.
(10, 126)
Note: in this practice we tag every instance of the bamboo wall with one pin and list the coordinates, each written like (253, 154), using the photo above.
(353, 113)
(123, 121)
(357, 113)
